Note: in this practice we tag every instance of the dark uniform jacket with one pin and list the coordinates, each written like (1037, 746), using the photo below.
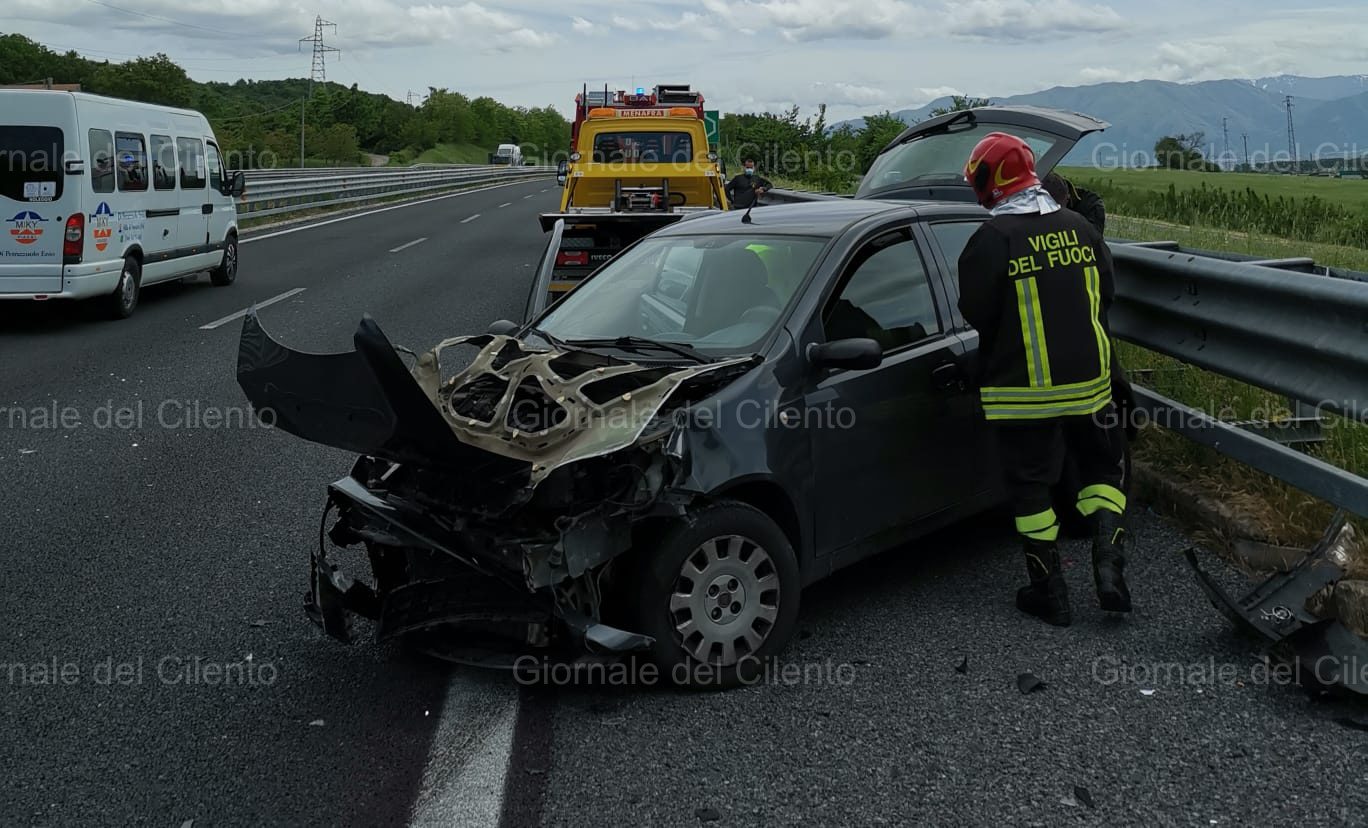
(1037, 288)
(741, 190)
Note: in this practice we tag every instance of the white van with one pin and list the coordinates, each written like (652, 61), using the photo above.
(510, 154)
(101, 197)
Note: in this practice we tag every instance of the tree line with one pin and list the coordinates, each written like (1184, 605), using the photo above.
(258, 122)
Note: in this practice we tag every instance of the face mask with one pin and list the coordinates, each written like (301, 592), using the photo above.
(750, 171)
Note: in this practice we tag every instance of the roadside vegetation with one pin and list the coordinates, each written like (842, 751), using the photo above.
(257, 122)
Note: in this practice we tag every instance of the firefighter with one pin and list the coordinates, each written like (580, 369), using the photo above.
(1036, 283)
(1086, 203)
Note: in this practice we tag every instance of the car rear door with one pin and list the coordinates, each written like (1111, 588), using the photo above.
(36, 198)
(888, 444)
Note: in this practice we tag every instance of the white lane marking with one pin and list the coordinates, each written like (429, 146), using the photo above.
(303, 227)
(544, 189)
(529, 195)
(463, 783)
(506, 204)
(218, 323)
(407, 246)
(468, 220)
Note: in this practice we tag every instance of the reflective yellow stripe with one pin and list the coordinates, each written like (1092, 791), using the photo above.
(1094, 280)
(1101, 496)
(1040, 526)
(562, 286)
(1029, 410)
(1057, 392)
(1033, 332)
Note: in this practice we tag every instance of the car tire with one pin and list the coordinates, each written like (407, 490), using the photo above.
(226, 273)
(718, 591)
(124, 300)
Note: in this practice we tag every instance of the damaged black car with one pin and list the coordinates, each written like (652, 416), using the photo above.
(659, 463)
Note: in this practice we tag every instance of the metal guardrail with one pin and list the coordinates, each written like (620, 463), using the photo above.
(1287, 326)
(271, 194)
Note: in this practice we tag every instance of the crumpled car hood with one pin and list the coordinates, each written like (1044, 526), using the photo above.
(513, 410)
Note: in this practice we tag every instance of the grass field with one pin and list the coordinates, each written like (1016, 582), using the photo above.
(453, 154)
(1348, 192)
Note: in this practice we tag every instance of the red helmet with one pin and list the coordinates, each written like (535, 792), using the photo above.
(999, 166)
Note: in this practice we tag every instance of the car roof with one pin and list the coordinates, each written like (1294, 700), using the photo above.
(824, 217)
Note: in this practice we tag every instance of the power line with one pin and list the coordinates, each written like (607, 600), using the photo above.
(219, 32)
(318, 72)
(1291, 132)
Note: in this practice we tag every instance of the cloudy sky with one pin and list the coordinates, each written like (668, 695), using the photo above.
(858, 56)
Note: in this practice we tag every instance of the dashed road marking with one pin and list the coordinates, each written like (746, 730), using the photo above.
(218, 323)
(506, 204)
(463, 783)
(468, 220)
(407, 246)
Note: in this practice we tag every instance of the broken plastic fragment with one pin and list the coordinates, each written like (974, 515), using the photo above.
(1028, 683)
(1147, 692)
(963, 666)
(316, 723)
(1082, 795)
(707, 814)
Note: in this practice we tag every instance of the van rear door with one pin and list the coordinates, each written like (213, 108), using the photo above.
(35, 201)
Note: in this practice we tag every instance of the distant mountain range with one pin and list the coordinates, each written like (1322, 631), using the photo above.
(1330, 116)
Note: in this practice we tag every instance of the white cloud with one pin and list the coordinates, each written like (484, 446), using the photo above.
(1030, 19)
(581, 26)
(810, 20)
(1100, 74)
(849, 93)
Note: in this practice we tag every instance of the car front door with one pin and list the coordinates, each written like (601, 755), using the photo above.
(889, 444)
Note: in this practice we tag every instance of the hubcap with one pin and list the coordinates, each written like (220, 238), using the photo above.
(230, 260)
(725, 600)
(128, 287)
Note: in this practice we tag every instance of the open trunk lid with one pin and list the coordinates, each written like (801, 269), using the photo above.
(926, 161)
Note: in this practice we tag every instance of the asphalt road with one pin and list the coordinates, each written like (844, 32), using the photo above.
(156, 667)
(144, 552)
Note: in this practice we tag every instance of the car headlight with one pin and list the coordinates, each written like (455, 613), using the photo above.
(574, 156)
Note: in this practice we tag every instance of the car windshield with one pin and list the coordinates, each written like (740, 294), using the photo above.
(940, 156)
(643, 146)
(718, 294)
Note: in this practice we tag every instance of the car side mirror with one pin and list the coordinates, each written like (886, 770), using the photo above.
(853, 354)
(503, 327)
(235, 184)
(562, 171)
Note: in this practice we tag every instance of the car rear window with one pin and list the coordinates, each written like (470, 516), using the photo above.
(31, 163)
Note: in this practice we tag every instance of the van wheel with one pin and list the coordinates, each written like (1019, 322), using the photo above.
(226, 272)
(718, 591)
(125, 296)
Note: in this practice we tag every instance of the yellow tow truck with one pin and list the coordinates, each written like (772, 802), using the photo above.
(638, 162)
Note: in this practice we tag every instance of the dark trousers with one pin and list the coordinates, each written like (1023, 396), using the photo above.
(1033, 453)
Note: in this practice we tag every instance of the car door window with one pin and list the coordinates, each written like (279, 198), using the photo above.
(191, 152)
(952, 236)
(885, 296)
(211, 154)
(665, 305)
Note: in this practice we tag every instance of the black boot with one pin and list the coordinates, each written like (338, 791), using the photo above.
(1109, 559)
(1047, 597)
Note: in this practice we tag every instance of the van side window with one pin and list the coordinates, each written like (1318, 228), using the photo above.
(215, 167)
(130, 161)
(191, 163)
(101, 161)
(163, 162)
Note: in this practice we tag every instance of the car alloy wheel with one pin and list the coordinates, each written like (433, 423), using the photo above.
(726, 600)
